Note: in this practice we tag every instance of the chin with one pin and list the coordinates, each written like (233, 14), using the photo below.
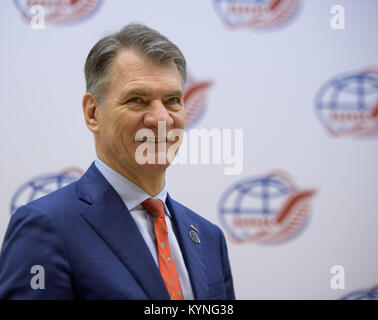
(155, 160)
(156, 167)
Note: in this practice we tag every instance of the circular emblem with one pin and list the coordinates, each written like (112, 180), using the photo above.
(58, 11)
(42, 185)
(348, 105)
(264, 210)
(255, 14)
(194, 237)
(366, 294)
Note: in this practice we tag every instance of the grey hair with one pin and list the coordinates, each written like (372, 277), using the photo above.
(148, 42)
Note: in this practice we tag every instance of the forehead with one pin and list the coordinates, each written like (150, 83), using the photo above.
(131, 70)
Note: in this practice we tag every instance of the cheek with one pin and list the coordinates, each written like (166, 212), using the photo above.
(124, 128)
(179, 119)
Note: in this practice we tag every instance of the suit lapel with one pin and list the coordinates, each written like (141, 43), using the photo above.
(192, 252)
(109, 217)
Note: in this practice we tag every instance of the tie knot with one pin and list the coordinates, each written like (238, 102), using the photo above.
(155, 208)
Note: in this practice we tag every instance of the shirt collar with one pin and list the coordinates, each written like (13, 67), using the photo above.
(129, 192)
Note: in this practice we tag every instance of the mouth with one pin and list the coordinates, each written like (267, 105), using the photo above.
(160, 140)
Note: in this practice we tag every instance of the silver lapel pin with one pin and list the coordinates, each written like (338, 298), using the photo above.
(193, 235)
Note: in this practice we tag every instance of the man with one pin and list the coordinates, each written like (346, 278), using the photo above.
(116, 233)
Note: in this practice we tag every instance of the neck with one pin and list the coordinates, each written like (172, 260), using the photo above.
(150, 181)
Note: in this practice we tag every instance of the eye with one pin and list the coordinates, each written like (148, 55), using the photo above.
(135, 100)
(173, 100)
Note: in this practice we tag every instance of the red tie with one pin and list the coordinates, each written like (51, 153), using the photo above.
(167, 266)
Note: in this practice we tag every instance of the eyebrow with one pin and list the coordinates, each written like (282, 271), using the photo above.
(142, 93)
(135, 92)
(174, 93)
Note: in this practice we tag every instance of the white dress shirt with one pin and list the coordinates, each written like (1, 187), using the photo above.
(132, 196)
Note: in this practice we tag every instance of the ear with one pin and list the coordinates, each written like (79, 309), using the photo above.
(91, 112)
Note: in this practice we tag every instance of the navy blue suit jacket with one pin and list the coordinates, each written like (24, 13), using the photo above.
(90, 248)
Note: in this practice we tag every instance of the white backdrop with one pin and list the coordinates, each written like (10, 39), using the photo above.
(263, 81)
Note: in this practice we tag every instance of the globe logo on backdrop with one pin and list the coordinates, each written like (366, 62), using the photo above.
(42, 185)
(195, 97)
(265, 210)
(364, 294)
(347, 105)
(255, 14)
(58, 11)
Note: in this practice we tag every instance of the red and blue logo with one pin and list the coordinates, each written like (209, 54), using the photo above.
(195, 99)
(363, 294)
(265, 210)
(255, 14)
(347, 105)
(58, 11)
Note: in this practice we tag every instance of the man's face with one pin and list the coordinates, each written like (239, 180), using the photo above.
(142, 94)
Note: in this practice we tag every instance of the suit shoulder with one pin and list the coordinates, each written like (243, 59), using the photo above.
(52, 204)
(203, 222)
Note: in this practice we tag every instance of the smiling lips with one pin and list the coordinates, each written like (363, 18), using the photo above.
(163, 140)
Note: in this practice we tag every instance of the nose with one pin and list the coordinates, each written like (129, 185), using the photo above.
(157, 112)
